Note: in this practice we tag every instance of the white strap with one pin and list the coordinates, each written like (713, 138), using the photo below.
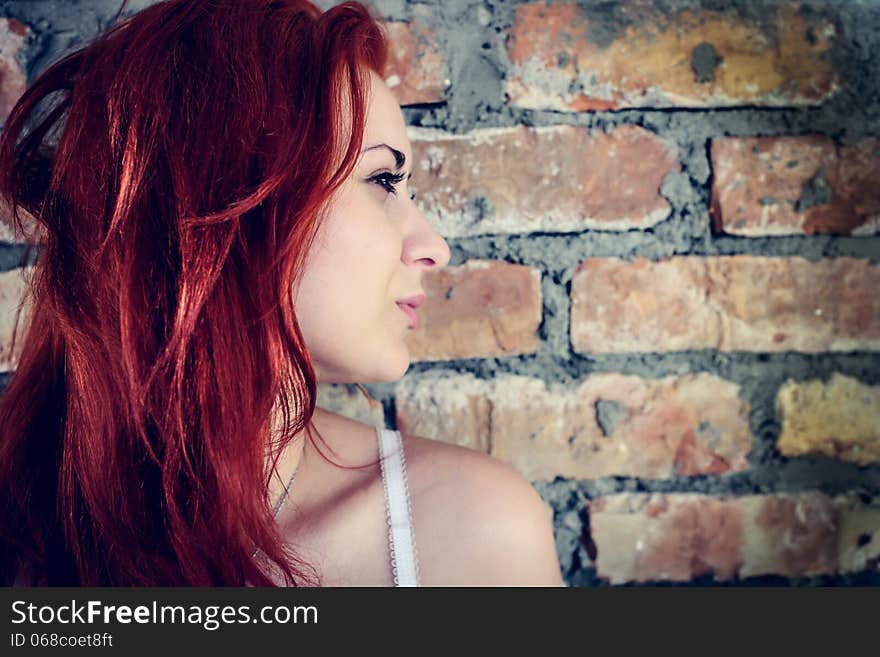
(404, 565)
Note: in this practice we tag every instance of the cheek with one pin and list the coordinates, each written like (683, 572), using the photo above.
(363, 246)
(357, 250)
(348, 276)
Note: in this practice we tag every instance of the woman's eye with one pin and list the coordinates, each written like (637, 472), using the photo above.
(388, 181)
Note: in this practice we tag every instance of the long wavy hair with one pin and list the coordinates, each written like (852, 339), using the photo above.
(178, 168)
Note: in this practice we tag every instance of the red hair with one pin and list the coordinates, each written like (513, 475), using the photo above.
(178, 167)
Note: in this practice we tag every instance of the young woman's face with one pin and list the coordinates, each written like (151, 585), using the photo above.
(370, 253)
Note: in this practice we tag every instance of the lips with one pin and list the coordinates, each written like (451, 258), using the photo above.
(410, 313)
(415, 300)
(409, 305)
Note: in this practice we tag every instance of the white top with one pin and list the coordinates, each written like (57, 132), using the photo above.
(404, 563)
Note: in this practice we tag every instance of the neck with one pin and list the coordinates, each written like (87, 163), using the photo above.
(293, 459)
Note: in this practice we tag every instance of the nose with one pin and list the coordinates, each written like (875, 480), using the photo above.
(424, 244)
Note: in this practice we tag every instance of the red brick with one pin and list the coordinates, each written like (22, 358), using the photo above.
(795, 185)
(561, 58)
(32, 233)
(606, 425)
(800, 532)
(448, 406)
(417, 68)
(13, 34)
(681, 536)
(13, 288)
(730, 303)
(507, 180)
(349, 401)
(480, 309)
(665, 537)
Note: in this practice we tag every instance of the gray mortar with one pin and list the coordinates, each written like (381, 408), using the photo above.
(815, 191)
(608, 414)
(704, 61)
(471, 34)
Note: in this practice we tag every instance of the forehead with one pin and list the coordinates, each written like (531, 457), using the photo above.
(385, 122)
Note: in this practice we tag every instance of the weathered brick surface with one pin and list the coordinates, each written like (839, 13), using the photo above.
(13, 285)
(665, 537)
(795, 185)
(790, 535)
(858, 541)
(606, 425)
(12, 84)
(840, 418)
(416, 69)
(32, 231)
(352, 403)
(564, 56)
(480, 309)
(507, 180)
(13, 34)
(681, 536)
(730, 303)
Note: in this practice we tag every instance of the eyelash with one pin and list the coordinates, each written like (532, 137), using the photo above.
(389, 181)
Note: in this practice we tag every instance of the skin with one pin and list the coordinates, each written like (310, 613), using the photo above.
(372, 251)
(476, 520)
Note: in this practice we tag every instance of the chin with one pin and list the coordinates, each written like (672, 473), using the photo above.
(389, 370)
(394, 367)
(390, 374)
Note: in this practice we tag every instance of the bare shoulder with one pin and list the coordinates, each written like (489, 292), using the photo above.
(477, 521)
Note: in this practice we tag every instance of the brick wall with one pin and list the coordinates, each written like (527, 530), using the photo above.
(662, 305)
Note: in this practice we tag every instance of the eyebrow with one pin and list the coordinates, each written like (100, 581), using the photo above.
(399, 158)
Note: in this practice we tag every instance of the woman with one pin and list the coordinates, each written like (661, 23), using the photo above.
(221, 187)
